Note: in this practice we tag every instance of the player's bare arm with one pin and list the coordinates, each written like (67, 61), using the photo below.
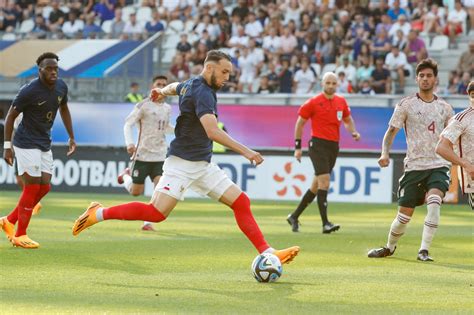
(300, 122)
(209, 122)
(390, 134)
(7, 145)
(349, 124)
(445, 149)
(67, 121)
(168, 90)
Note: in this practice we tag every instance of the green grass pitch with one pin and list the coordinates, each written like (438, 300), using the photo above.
(199, 262)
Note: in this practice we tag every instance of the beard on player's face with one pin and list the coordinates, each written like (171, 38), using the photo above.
(214, 84)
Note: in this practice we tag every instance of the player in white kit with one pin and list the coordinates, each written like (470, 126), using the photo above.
(153, 122)
(460, 135)
(423, 117)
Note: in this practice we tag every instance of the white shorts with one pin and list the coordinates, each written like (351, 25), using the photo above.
(33, 161)
(203, 177)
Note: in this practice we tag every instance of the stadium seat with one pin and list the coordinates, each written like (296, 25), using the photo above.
(171, 42)
(144, 14)
(107, 26)
(27, 26)
(9, 37)
(317, 68)
(176, 25)
(330, 67)
(439, 43)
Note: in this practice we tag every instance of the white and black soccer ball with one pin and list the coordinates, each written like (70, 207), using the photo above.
(266, 268)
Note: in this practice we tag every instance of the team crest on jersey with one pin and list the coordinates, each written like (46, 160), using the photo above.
(339, 114)
(60, 98)
(136, 173)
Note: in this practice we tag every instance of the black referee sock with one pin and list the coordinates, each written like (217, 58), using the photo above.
(323, 205)
(307, 199)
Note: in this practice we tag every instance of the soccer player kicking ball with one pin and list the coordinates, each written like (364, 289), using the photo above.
(460, 132)
(188, 163)
(424, 117)
(153, 121)
(39, 102)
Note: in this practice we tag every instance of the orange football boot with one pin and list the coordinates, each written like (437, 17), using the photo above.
(87, 219)
(287, 255)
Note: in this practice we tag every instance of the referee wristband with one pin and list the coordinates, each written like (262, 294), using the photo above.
(297, 144)
(7, 145)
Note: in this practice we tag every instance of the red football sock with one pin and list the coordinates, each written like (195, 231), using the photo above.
(134, 211)
(25, 207)
(247, 223)
(44, 189)
(13, 216)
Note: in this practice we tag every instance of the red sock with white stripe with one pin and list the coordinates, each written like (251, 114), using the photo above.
(433, 205)
(25, 206)
(398, 228)
(247, 224)
(44, 189)
(131, 211)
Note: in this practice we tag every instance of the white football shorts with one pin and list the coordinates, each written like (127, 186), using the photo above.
(203, 177)
(33, 161)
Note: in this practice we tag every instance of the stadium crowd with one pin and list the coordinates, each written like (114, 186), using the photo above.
(276, 45)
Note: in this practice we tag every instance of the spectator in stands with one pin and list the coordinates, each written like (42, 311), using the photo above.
(179, 70)
(364, 54)
(56, 17)
(327, 23)
(288, 42)
(184, 47)
(463, 83)
(454, 25)
(469, 5)
(415, 50)
(364, 72)
(285, 76)
(91, 29)
(40, 29)
(365, 88)
(240, 41)
(402, 25)
(434, 20)
(134, 95)
(256, 53)
(359, 24)
(133, 29)
(155, 25)
(264, 87)
(253, 28)
(242, 10)
(381, 45)
(399, 40)
(199, 54)
(396, 62)
(307, 29)
(325, 48)
(248, 67)
(206, 24)
(380, 79)
(117, 25)
(418, 15)
(466, 61)
(11, 15)
(271, 42)
(395, 11)
(306, 47)
(348, 69)
(206, 40)
(220, 11)
(385, 24)
(453, 83)
(272, 75)
(104, 9)
(343, 85)
(224, 32)
(304, 79)
(73, 26)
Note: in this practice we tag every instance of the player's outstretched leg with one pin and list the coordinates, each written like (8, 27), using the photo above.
(131, 211)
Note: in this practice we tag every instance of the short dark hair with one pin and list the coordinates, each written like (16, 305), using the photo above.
(427, 63)
(216, 56)
(134, 84)
(46, 55)
(159, 77)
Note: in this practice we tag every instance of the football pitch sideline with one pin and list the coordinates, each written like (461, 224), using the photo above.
(198, 261)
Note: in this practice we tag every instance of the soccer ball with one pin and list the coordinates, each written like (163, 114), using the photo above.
(266, 268)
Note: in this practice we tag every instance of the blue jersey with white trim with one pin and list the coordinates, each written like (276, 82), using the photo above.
(39, 105)
(196, 99)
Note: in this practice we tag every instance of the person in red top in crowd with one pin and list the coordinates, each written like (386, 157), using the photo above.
(326, 111)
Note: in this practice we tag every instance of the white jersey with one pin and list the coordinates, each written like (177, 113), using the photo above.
(153, 122)
(460, 132)
(423, 123)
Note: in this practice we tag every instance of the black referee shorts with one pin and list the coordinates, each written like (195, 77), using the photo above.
(323, 154)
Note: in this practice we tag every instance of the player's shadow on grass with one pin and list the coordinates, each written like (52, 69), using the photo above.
(435, 264)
